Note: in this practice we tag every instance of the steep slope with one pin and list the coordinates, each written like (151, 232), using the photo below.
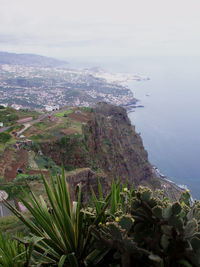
(88, 142)
(108, 144)
(116, 145)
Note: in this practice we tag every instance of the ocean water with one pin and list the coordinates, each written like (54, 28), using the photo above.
(169, 123)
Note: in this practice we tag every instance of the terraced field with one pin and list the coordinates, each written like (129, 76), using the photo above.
(66, 122)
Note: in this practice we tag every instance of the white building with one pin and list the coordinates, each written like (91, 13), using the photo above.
(1, 124)
(5, 105)
(15, 106)
(52, 108)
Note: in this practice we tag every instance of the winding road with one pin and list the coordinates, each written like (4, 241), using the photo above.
(3, 129)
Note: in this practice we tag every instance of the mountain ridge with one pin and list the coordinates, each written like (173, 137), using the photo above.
(32, 60)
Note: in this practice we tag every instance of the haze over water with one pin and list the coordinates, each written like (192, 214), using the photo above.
(170, 121)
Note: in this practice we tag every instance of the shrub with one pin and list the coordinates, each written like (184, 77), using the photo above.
(4, 137)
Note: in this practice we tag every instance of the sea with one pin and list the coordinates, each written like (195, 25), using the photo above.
(169, 122)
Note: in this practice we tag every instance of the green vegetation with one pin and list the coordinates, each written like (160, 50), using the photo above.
(23, 113)
(41, 125)
(106, 141)
(86, 109)
(63, 113)
(4, 137)
(41, 137)
(27, 177)
(19, 185)
(128, 227)
(70, 241)
(5, 140)
(12, 225)
(44, 162)
(8, 116)
(9, 250)
(14, 189)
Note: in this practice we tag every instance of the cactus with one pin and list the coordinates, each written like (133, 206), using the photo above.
(155, 232)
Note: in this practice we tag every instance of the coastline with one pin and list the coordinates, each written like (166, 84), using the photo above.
(170, 186)
(166, 182)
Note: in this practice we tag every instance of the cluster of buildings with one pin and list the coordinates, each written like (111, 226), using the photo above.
(38, 87)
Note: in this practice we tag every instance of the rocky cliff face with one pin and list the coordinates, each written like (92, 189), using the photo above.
(116, 146)
(109, 145)
(88, 180)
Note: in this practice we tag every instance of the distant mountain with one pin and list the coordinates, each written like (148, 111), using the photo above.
(30, 60)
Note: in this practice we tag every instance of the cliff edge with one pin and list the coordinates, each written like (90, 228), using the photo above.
(108, 145)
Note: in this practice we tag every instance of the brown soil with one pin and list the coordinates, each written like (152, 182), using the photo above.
(33, 131)
(45, 172)
(11, 169)
(6, 160)
(80, 117)
(68, 131)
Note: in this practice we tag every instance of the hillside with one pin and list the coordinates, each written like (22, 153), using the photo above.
(88, 142)
(30, 60)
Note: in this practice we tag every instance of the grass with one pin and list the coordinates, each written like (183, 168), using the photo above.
(4, 137)
(14, 188)
(4, 145)
(8, 116)
(27, 113)
(86, 109)
(64, 113)
(41, 125)
(44, 162)
(12, 225)
(67, 123)
(77, 126)
(41, 137)
(27, 177)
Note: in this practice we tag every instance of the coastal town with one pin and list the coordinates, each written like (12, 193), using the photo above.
(36, 87)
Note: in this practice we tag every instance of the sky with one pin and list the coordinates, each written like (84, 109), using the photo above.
(91, 28)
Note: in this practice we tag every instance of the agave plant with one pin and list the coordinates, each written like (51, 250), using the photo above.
(11, 252)
(59, 223)
(118, 199)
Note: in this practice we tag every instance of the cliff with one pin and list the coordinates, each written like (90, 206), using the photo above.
(108, 145)
(89, 143)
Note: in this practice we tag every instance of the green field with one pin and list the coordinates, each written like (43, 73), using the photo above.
(64, 113)
(28, 113)
(3, 145)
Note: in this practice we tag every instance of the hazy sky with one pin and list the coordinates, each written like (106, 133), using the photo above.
(79, 28)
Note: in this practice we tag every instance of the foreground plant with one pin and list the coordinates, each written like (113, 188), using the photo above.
(59, 223)
(11, 252)
(153, 233)
(128, 227)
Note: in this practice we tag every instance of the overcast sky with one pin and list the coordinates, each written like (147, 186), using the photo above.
(79, 28)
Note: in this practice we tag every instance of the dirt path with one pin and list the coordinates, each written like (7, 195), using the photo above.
(26, 126)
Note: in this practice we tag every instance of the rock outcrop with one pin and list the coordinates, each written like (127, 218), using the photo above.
(88, 179)
(109, 144)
